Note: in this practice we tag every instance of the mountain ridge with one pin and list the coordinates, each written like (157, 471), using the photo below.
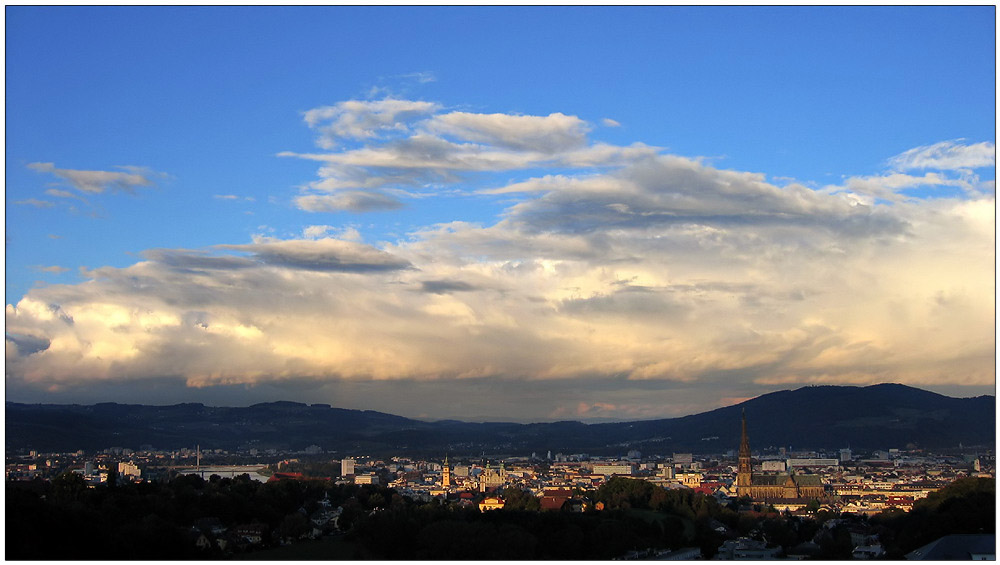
(823, 416)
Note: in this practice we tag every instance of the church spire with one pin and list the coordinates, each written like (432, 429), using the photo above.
(744, 470)
(744, 438)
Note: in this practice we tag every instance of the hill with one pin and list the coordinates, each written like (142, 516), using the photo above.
(879, 416)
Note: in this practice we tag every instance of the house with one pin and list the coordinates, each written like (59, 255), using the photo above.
(682, 554)
(250, 533)
(211, 525)
(974, 547)
(554, 499)
(868, 551)
(747, 549)
(491, 503)
(202, 541)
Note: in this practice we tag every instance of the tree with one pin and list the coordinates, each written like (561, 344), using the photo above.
(68, 486)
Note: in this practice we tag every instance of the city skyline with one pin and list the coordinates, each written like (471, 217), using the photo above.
(523, 213)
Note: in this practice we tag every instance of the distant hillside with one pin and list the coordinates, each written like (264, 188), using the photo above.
(880, 416)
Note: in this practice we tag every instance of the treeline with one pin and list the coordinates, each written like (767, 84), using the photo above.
(66, 520)
(966, 506)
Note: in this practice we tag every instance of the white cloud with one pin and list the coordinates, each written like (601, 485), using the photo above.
(349, 201)
(357, 119)
(667, 274)
(423, 77)
(413, 145)
(608, 122)
(545, 134)
(95, 182)
(639, 276)
(946, 155)
(322, 231)
(35, 202)
(54, 269)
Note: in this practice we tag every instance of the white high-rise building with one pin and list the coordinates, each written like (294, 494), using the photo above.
(346, 467)
(128, 469)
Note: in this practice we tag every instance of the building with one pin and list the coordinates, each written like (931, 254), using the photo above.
(966, 547)
(346, 467)
(814, 462)
(445, 474)
(491, 503)
(626, 469)
(491, 479)
(746, 549)
(127, 469)
(771, 486)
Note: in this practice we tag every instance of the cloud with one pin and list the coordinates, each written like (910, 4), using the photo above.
(357, 119)
(946, 155)
(54, 269)
(617, 282)
(96, 182)
(673, 191)
(25, 344)
(63, 194)
(416, 145)
(423, 77)
(548, 134)
(608, 122)
(319, 232)
(349, 201)
(35, 202)
(446, 287)
(328, 254)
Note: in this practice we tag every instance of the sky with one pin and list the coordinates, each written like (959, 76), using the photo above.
(497, 213)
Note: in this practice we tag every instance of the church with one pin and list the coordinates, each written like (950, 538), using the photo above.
(781, 486)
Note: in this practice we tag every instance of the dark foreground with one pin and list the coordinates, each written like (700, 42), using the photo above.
(190, 518)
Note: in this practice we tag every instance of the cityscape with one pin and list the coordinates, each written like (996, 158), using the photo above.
(848, 499)
(531, 282)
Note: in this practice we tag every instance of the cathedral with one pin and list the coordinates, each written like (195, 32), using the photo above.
(782, 486)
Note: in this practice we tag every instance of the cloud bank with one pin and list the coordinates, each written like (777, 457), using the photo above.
(619, 279)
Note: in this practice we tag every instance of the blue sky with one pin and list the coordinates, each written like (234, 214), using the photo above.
(141, 141)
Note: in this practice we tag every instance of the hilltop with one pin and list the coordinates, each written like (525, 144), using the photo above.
(879, 416)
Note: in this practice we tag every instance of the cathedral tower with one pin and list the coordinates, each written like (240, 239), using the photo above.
(744, 471)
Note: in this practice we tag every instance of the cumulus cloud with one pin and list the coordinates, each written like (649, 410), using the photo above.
(318, 232)
(357, 119)
(409, 144)
(96, 182)
(546, 134)
(325, 254)
(610, 288)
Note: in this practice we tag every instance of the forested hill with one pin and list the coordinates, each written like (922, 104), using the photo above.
(873, 417)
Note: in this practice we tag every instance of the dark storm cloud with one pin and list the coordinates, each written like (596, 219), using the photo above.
(28, 344)
(665, 191)
(446, 287)
(191, 261)
(324, 255)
